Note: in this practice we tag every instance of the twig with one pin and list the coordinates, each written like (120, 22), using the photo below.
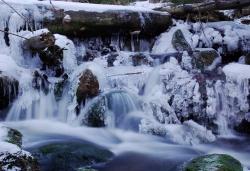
(126, 74)
(22, 16)
(50, 1)
(13, 34)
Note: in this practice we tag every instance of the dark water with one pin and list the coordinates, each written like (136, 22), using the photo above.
(132, 151)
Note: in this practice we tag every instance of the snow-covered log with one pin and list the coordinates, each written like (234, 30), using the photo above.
(206, 7)
(84, 19)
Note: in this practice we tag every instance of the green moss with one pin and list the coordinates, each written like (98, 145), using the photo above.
(14, 137)
(96, 114)
(205, 58)
(214, 162)
(70, 155)
(179, 42)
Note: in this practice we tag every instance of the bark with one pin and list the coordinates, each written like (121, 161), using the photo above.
(206, 7)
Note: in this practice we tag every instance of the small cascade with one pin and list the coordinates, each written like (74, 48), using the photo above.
(109, 109)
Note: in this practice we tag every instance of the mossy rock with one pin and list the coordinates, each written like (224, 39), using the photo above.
(214, 162)
(14, 137)
(204, 57)
(179, 42)
(69, 156)
(95, 116)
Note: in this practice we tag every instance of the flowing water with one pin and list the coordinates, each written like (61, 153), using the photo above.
(135, 105)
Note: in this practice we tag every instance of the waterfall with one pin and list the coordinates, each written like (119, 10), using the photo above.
(112, 108)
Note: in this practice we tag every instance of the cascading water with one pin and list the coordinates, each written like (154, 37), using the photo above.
(134, 102)
(113, 108)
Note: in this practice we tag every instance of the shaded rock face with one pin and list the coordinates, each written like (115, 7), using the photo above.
(8, 91)
(88, 86)
(18, 160)
(247, 59)
(52, 59)
(214, 162)
(69, 155)
(204, 58)
(243, 126)
(50, 54)
(180, 43)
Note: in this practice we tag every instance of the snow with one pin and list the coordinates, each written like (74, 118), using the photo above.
(5, 146)
(164, 43)
(236, 70)
(74, 6)
(188, 133)
(69, 52)
(9, 67)
(147, 4)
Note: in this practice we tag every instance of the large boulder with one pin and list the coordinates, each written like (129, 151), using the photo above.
(8, 90)
(214, 162)
(69, 155)
(88, 86)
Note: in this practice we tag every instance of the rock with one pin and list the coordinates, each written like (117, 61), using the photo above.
(180, 43)
(247, 59)
(40, 42)
(69, 155)
(95, 116)
(111, 59)
(40, 82)
(59, 87)
(52, 59)
(88, 86)
(243, 126)
(204, 58)
(18, 161)
(8, 90)
(90, 55)
(214, 162)
(141, 59)
(14, 137)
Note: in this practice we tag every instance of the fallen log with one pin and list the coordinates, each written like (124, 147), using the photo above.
(88, 20)
(205, 7)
